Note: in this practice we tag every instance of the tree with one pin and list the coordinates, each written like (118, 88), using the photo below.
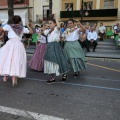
(10, 9)
(50, 7)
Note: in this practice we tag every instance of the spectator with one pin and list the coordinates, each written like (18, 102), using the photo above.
(117, 32)
(37, 29)
(83, 38)
(87, 29)
(92, 38)
(115, 28)
(62, 29)
(101, 31)
(95, 27)
(27, 37)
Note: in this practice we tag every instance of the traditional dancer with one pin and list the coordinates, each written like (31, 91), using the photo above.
(74, 52)
(37, 61)
(12, 54)
(54, 58)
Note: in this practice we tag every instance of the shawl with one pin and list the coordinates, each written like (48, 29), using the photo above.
(18, 29)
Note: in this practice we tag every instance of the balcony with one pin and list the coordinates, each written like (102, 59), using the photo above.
(101, 14)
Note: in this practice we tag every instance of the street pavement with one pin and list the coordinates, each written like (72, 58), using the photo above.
(94, 95)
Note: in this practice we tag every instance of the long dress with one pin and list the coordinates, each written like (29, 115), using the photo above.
(54, 59)
(74, 52)
(37, 62)
(13, 55)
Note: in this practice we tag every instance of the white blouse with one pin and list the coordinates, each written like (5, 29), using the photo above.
(42, 39)
(37, 30)
(12, 34)
(54, 35)
(46, 32)
(72, 36)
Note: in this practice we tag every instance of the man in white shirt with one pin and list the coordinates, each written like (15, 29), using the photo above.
(101, 31)
(91, 38)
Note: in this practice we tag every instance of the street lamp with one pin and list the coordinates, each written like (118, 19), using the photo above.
(81, 11)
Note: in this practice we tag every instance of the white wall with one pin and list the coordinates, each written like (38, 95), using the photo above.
(57, 7)
(23, 13)
(38, 7)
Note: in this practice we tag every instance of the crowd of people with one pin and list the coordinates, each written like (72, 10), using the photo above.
(59, 47)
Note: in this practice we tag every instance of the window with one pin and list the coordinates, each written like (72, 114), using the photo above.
(18, 1)
(68, 6)
(87, 5)
(108, 4)
(45, 12)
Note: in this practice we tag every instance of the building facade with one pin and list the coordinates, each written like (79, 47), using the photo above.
(94, 11)
(106, 11)
(21, 7)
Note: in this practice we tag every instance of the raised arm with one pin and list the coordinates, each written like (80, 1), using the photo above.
(81, 26)
(43, 23)
(58, 24)
(30, 29)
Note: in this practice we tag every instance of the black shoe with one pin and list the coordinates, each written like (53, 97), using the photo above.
(87, 50)
(64, 78)
(52, 80)
(76, 75)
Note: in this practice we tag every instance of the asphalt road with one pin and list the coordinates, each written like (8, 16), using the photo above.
(94, 95)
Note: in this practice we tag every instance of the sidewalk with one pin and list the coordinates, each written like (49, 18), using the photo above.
(105, 49)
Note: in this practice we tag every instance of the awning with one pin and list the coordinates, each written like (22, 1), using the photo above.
(23, 13)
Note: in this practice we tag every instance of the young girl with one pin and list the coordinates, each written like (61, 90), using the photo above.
(74, 52)
(37, 61)
(12, 54)
(54, 58)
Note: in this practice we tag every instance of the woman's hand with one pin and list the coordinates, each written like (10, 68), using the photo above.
(27, 24)
(55, 16)
(30, 29)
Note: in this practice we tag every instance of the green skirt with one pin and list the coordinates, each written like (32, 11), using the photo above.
(75, 56)
(55, 60)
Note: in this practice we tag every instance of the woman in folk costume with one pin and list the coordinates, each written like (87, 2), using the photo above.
(37, 61)
(74, 53)
(55, 62)
(12, 54)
